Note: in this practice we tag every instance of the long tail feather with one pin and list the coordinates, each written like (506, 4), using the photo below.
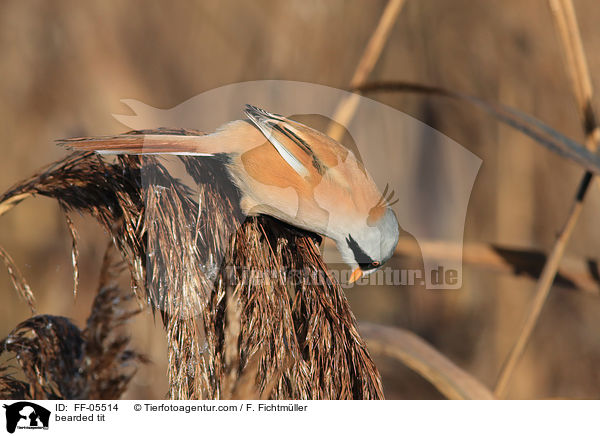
(138, 144)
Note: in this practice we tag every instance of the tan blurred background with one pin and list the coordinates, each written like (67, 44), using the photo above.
(66, 64)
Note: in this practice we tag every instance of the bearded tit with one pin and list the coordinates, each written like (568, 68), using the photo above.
(291, 172)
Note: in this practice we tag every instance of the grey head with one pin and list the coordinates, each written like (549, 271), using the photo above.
(373, 244)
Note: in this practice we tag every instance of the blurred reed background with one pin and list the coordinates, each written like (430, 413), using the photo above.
(66, 65)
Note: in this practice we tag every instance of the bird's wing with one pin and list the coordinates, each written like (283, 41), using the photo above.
(306, 150)
(276, 129)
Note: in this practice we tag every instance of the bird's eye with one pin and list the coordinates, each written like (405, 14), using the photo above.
(375, 264)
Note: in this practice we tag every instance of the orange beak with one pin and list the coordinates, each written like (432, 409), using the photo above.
(356, 274)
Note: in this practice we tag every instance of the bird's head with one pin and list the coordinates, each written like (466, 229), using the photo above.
(369, 245)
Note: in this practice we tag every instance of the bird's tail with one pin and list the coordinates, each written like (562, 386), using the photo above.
(138, 144)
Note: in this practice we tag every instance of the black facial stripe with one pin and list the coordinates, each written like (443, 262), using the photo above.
(364, 261)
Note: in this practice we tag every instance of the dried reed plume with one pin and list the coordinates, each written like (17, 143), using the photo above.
(230, 334)
(59, 361)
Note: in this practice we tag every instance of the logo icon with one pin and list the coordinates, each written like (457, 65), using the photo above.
(26, 415)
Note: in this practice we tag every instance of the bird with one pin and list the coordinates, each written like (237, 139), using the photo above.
(290, 171)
